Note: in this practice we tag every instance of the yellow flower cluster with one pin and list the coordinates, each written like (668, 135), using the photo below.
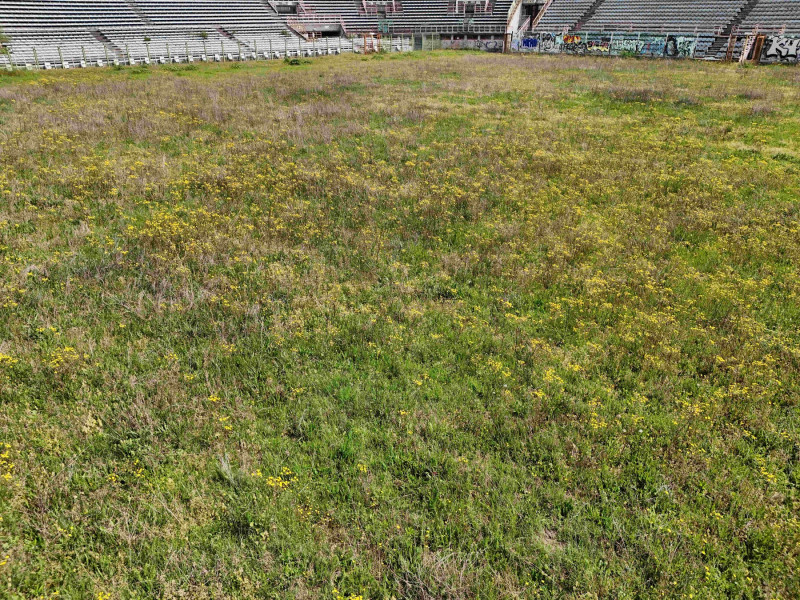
(337, 595)
(6, 363)
(6, 465)
(281, 482)
(62, 358)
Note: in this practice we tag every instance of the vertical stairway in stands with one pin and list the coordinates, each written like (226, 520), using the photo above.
(103, 39)
(139, 12)
(540, 14)
(271, 5)
(587, 15)
(724, 41)
(240, 44)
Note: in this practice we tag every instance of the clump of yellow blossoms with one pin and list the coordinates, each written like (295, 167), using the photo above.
(281, 482)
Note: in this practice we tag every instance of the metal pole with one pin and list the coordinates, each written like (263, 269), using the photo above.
(105, 51)
(35, 57)
(61, 57)
(169, 56)
(186, 47)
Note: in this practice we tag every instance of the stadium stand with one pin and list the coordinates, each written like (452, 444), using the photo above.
(57, 48)
(412, 16)
(701, 16)
(773, 16)
(563, 14)
(83, 32)
(90, 32)
(657, 15)
(66, 14)
(208, 13)
(640, 15)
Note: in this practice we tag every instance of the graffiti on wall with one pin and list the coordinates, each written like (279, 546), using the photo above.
(476, 44)
(670, 46)
(598, 46)
(781, 49)
(572, 44)
(626, 46)
(649, 45)
(679, 46)
(548, 42)
(776, 48)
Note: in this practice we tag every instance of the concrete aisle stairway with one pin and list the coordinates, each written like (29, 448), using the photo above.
(101, 37)
(135, 8)
(720, 44)
(588, 15)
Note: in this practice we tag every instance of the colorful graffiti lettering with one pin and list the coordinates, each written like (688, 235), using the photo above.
(679, 47)
(781, 48)
(601, 46)
(621, 45)
(476, 44)
(548, 42)
(776, 49)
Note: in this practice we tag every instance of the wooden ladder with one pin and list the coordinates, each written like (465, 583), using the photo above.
(746, 48)
(731, 47)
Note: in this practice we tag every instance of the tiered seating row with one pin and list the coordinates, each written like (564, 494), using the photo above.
(563, 14)
(176, 49)
(708, 16)
(656, 15)
(49, 47)
(50, 14)
(774, 15)
(213, 13)
(236, 14)
(416, 15)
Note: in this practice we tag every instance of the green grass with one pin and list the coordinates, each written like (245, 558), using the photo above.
(443, 326)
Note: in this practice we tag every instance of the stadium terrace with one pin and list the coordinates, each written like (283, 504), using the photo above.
(70, 33)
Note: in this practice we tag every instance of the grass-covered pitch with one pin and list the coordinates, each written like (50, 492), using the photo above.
(438, 326)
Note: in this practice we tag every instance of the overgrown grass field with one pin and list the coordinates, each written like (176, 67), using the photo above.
(427, 326)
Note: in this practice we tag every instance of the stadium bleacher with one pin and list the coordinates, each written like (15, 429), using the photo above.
(699, 16)
(774, 16)
(418, 15)
(209, 13)
(657, 15)
(66, 14)
(77, 32)
(563, 14)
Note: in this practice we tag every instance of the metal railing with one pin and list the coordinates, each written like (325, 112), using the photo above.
(176, 53)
